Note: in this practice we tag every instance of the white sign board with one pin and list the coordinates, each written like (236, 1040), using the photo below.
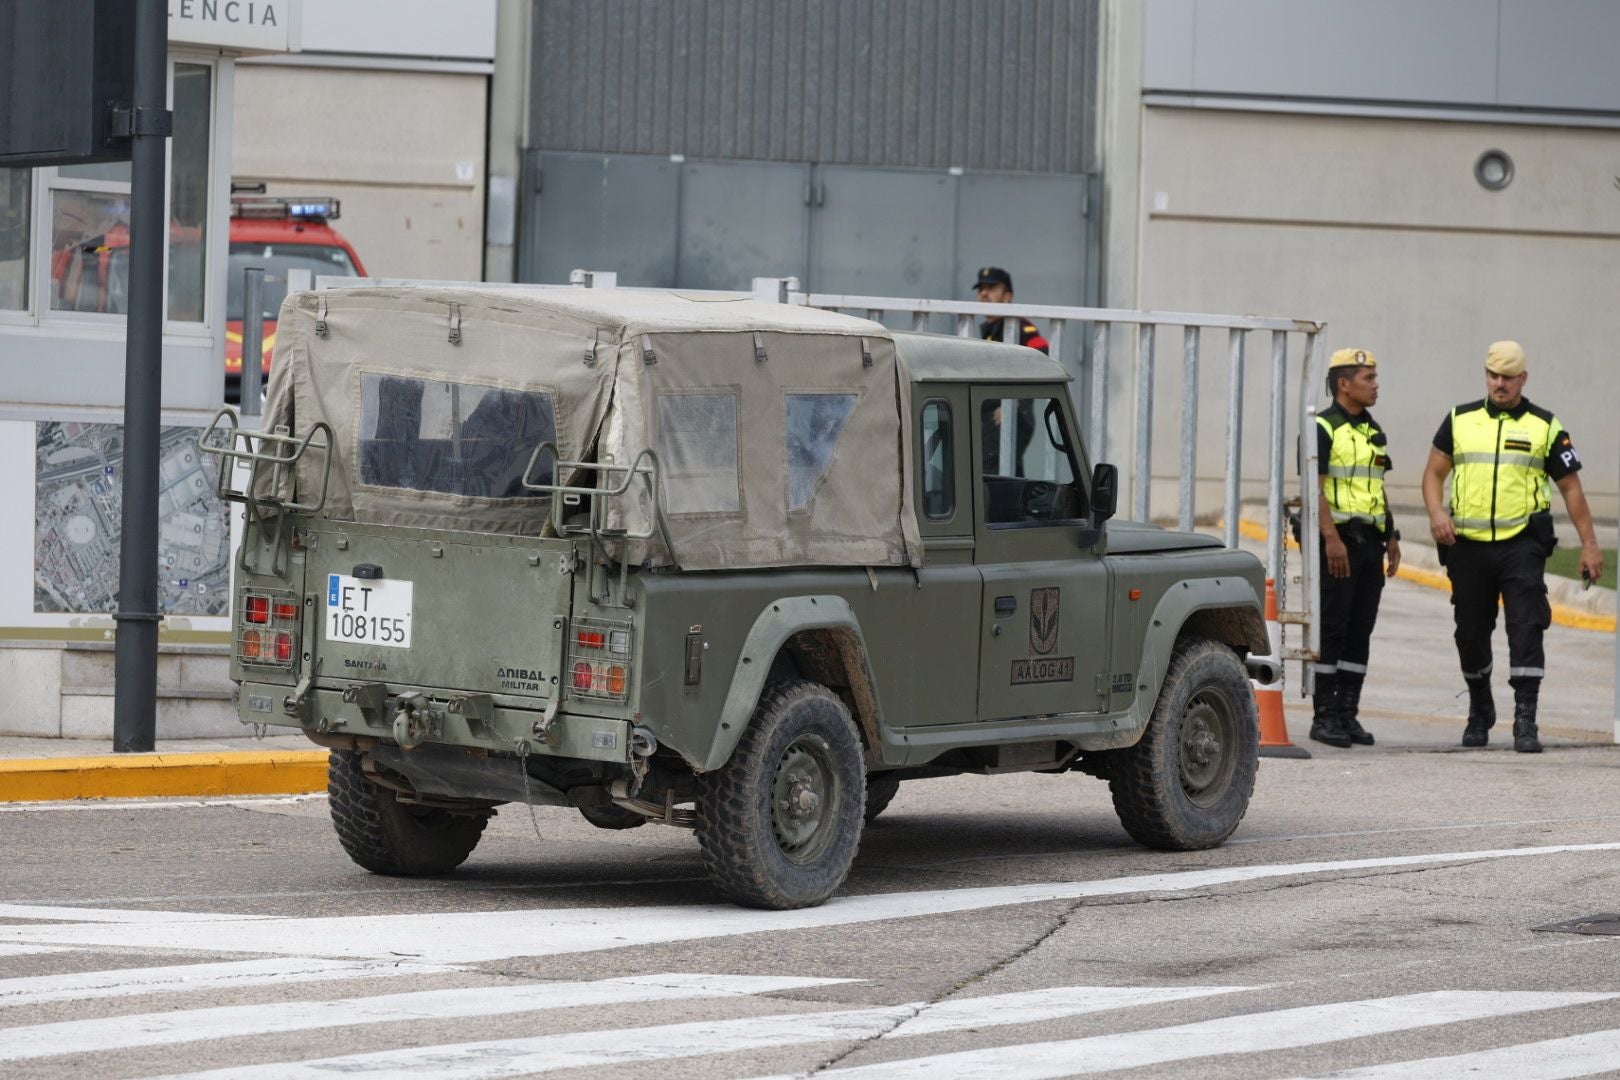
(257, 26)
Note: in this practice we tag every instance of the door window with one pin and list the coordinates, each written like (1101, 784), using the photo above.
(938, 462)
(1029, 464)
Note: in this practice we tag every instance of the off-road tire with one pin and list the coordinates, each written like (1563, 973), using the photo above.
(880, 792)
(760, 849)
(1186, 784)
(612, 816)
(387, 836)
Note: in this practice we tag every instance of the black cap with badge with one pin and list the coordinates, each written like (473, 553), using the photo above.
(993, 275)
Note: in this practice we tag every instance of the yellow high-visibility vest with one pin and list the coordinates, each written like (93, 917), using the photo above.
(1355, 469)
(1499, 469)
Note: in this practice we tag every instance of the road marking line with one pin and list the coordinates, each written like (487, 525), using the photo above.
(122, 916)
(233, 1021)
(30, 950)
(547, 1053)
(471, 937)
(1025, 1007)
(1283, 1029)
(1552, 1059)
(187, 978)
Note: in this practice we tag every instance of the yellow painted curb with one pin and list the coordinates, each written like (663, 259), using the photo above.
(1562, 614)
(125, 776)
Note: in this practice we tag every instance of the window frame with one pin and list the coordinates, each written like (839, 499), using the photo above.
(47, 181)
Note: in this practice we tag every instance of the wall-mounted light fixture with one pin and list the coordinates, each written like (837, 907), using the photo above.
(1494, 170)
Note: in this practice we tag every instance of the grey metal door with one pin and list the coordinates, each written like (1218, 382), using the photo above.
(883, 232)
(740, 220)
(602, 212)
(1033, 226)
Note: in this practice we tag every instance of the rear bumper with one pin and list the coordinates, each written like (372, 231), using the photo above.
(501, 727)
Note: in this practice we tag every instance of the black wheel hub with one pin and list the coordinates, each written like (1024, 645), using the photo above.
(1207, 745)
(803, 796)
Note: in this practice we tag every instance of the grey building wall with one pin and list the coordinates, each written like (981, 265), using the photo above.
(919, 83)
(1497, 54)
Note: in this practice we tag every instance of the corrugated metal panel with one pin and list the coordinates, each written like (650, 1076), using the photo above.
(924, 83)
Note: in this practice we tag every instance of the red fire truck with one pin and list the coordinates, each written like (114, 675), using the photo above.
(278, 234)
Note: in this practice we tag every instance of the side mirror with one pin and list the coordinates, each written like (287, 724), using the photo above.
(1104, 491)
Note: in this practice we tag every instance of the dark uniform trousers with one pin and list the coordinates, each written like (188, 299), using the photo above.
(1513, 569)
(1350, 604)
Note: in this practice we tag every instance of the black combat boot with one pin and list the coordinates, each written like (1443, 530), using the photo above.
(1349, 703)
(1327, 726)
(1481, 712)
(1526, 739)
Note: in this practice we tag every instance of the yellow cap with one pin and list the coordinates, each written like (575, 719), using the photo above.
(1352, 358)
(1505, 358)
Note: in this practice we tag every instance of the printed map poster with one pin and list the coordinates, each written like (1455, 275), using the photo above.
(78, 517)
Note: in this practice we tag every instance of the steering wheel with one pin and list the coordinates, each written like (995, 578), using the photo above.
(1038, 499)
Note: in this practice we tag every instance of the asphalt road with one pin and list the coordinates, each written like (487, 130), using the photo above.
(1376, 908)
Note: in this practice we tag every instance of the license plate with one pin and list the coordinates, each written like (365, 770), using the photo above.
(365, 611)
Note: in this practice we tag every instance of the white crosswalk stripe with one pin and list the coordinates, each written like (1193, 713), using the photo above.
(188, 978)
(471, 937)
(224, 1022)
(547, 1053)
(117, 916)
(31, 950)
(1550, 1059)
(1247, 1034)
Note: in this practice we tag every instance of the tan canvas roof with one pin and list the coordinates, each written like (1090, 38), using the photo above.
(778, 430)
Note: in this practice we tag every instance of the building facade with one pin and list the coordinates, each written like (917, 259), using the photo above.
(1427, 178)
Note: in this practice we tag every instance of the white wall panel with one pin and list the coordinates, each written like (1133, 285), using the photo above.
(462, 30)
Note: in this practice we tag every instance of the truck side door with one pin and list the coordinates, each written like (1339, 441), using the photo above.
(943, 663)
(1043, 625)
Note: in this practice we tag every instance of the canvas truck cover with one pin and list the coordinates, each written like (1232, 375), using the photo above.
(779, 430)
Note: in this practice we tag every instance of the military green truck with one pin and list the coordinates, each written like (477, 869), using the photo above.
(731, 566)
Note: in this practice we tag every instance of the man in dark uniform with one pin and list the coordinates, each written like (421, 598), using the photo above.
(1358, 535)
(994, 286)
(1503, 455)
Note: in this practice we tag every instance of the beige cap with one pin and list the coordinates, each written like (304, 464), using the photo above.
(1352, 358)
(1505, 358)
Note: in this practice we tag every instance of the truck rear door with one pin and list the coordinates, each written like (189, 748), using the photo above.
(420, 608)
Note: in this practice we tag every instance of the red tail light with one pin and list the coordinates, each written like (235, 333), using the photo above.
(285, 610)
(252, 647)
(284, 647)
(582, 676)
(591, 639)
(258, 609)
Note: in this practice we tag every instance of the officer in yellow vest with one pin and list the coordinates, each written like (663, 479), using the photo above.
(1358, 535)
(1503, 455)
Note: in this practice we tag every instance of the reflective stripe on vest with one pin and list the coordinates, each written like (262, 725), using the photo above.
(1499, 475)
(1355, 491)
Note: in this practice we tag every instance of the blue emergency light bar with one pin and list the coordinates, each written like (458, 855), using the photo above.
(284, 206)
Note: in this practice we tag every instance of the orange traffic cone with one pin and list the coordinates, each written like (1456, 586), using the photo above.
(1269, 699)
